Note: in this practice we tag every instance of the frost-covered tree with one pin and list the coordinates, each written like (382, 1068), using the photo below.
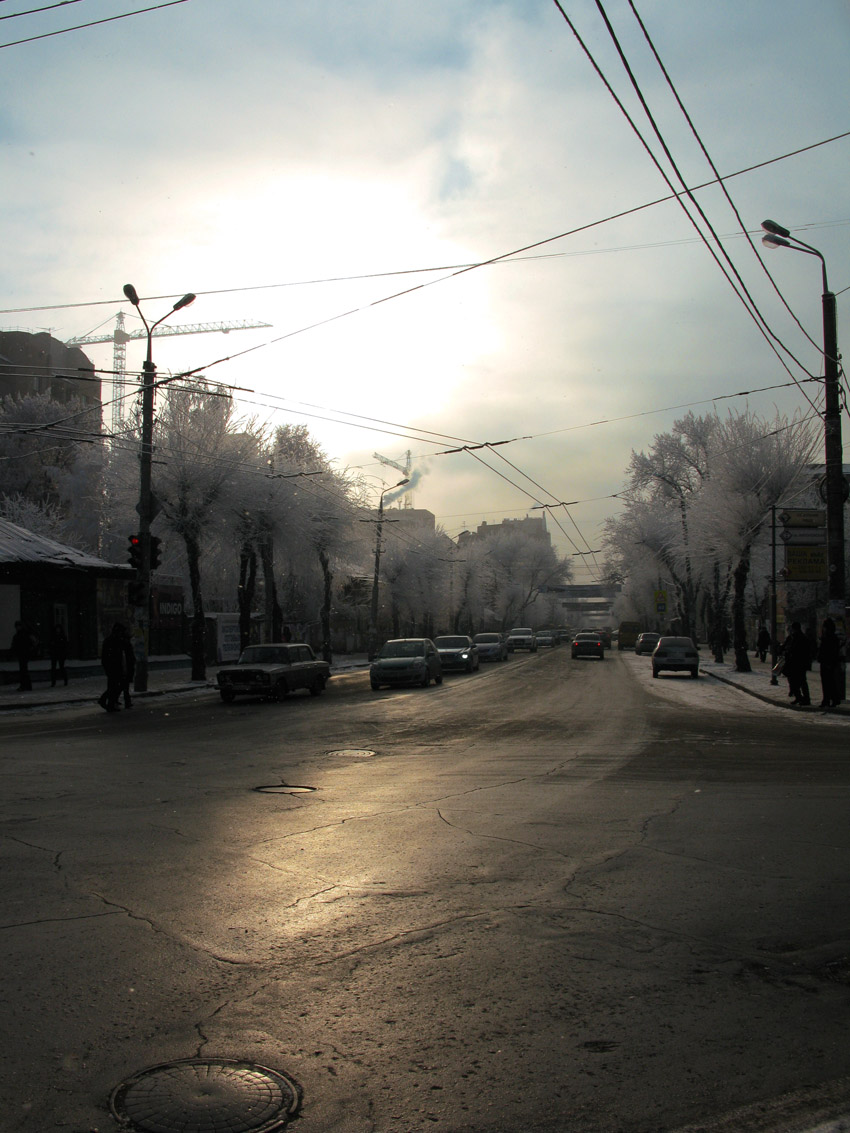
(51, 465)
(199, 450)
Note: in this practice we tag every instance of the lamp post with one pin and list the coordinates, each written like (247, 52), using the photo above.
(373, 614)
(145, 506)
(834, 483)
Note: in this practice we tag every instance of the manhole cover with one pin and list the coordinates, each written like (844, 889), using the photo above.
(284, 789)
(352, 753)
(205, 1096)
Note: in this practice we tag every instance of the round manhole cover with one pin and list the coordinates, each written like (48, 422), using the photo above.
(353, 753)
(284, 789)
(205, 1096)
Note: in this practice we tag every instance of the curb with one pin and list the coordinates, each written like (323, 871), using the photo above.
(840, 711)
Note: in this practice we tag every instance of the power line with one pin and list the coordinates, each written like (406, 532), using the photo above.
(92, 24)
(454, 268)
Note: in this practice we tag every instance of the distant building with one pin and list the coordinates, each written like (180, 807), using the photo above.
(40, 364)
(531, 527)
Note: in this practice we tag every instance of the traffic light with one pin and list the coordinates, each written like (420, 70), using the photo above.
(134, 550)
(155, 551)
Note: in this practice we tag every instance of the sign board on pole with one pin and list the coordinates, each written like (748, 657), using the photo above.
(804, 536)
(802, 517)
(805, 564)
(661, 601)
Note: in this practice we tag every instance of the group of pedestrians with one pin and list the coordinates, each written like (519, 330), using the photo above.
(117, 657)
(795, 662)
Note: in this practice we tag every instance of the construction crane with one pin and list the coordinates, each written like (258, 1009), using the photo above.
(120, 337)
(407, 498)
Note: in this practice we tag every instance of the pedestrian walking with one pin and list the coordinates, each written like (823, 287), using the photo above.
(58, 646)
(763, 643)
(118, 662)
(829, 659)
(797, 660)
(23, 649)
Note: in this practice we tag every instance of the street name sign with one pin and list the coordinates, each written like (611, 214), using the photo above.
(804, 536)
(803, 517)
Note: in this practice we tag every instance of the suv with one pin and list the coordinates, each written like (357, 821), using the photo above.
(522, 638)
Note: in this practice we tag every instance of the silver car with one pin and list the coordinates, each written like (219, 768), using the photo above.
(676, 655)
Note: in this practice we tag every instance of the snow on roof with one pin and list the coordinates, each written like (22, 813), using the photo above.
(17, 545)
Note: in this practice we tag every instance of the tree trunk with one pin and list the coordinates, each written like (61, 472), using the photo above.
(193, 558)
(327, 577)
(274, 614)
(245, 594)
(739, 628)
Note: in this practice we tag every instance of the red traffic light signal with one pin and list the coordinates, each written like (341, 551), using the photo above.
(134, 550)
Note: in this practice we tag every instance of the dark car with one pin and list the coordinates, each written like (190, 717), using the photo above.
(406, 661)
(272, 671)
(646, 642)
(491, 647)
(546, 638)
(588, 645)
(677, 655)
(457, 652)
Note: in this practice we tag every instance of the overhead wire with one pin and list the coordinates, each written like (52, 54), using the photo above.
(748, 303)
(93, 23)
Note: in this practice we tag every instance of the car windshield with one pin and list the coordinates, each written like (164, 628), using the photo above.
(265, 655)
(403, 649)
(451, 642)
(486, 638)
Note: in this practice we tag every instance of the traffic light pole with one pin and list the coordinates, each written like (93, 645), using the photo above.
(145, 509)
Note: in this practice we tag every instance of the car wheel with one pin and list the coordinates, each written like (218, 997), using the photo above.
(281, 689)
(695, 673)
(426, 680)
(374, 685)
(654, 671)
(317, 687)
(227, 696)
(438, 680)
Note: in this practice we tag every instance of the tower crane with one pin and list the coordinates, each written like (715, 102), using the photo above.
(407, 498)
(120, 337)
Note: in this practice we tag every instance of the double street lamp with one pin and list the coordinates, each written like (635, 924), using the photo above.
(373, 615)
(145, 506)
(835, 486)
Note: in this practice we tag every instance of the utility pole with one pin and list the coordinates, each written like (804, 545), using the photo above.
(145, 506)
(834, 489)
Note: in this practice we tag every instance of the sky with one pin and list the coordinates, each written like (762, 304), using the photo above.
(336, 170)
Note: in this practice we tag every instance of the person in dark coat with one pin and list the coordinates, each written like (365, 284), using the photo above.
(797, 660)
(118, 661)
(829, 659)
(22, 651)
(58, 646)
(763, 643)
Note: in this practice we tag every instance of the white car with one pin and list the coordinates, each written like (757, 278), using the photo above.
(523, 637)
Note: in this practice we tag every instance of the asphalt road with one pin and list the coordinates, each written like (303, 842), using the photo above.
(553, 895)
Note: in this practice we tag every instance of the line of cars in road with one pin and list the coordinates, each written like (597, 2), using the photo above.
(274, 670)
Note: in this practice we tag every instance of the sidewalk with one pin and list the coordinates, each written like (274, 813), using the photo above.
(757, 684)
(86, 690)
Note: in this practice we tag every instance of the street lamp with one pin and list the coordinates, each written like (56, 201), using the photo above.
(145, 506)
(835, 484)
(373, 615)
